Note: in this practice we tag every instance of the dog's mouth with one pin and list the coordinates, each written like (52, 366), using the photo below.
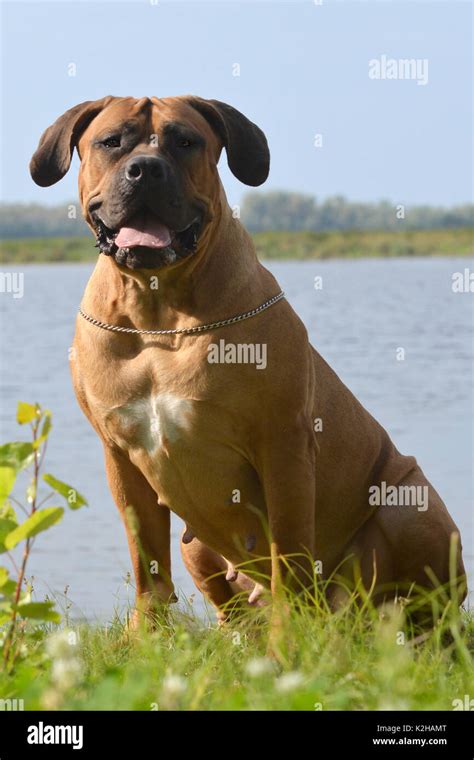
(143, 241)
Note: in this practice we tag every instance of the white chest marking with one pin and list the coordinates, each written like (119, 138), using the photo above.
(158, 420)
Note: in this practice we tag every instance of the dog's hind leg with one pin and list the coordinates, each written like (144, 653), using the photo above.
(406, 550)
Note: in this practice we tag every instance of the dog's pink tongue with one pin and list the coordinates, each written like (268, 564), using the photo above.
(144, 230)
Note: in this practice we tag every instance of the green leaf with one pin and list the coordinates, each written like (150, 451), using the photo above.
(6, 527)
(7, 584)
(37, 522)
(25, 412)
(44, 430)
(7, 481)
(6, 607)
(8, 588)
(3, 576)
(17, 455)
(74, 499)
(8, 512)
(39, 611)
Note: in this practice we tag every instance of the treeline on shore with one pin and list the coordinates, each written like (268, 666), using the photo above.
(260, 212)
(303, 245)
(285, 211)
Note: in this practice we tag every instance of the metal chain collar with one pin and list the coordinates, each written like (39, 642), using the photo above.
(184, 330)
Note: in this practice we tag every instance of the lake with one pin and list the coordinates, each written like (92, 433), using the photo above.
(363, 312)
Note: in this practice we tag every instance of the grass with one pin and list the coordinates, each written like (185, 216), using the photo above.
(274, 245)
(359, 244)
(358, 659)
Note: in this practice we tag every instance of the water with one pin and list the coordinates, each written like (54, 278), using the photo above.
(365, 310)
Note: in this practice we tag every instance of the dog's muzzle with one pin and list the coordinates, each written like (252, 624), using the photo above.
(152, 231)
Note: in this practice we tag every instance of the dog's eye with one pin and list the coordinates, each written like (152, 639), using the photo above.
(184, 142)
(111, 142)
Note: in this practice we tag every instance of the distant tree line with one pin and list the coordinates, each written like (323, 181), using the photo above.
(279, 210)
(260, 212)
(18, 220)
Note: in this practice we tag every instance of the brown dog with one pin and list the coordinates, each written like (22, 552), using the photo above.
(271, 463)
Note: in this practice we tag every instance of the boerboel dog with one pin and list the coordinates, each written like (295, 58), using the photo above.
(271, 463)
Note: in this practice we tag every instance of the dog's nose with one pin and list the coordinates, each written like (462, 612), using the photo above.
(145, 168)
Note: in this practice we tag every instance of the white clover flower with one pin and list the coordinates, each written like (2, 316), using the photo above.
(58, 645)
(66, 673)
(289, 681)
(173, 686)
(66, 670)
(258, 667)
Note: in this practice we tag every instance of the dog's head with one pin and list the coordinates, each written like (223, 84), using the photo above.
(148, 180)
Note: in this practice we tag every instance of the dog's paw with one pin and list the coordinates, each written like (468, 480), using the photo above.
(232, 573)
(255, 598)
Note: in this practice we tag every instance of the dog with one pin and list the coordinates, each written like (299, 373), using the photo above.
(271, 471)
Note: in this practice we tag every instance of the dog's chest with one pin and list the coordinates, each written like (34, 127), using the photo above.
(187, 439)
(150, 423)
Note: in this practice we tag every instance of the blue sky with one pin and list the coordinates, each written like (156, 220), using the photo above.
(303, 71)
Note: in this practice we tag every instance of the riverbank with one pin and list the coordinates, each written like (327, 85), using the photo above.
(274, 245)
(360, 659)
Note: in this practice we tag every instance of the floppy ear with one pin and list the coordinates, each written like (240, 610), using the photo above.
(246, 145)
(53, 155)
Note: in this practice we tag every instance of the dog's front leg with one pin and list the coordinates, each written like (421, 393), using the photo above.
(287, 470)
(148, 533)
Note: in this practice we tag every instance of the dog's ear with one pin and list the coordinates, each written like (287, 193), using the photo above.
(246, 145)
(53, 155)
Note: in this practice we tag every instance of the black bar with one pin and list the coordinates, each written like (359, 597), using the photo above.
(149, 734)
